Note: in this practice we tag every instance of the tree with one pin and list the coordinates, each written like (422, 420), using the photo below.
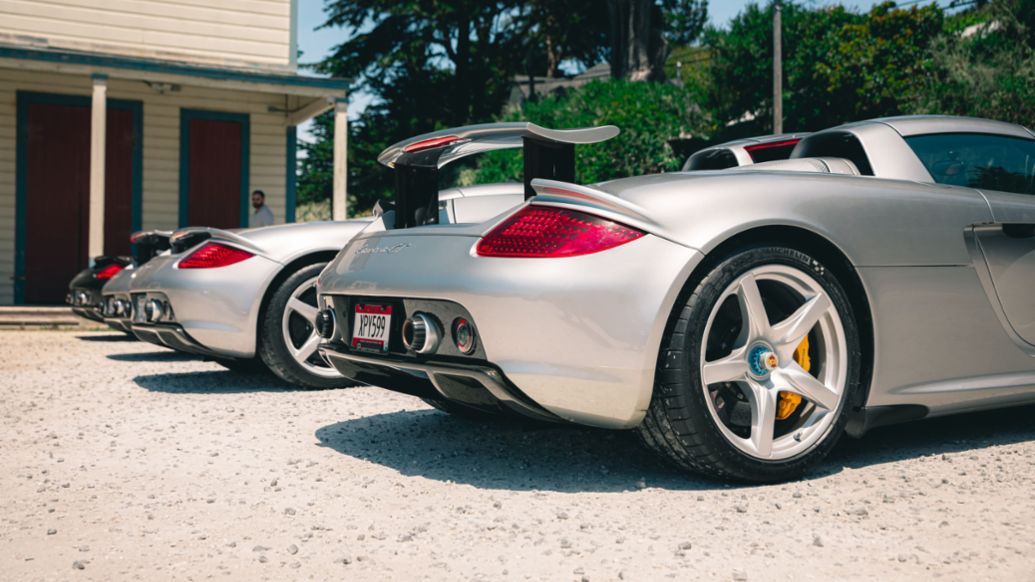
(839, 65)
(563, 30)
(987, 71)
(432, 64)
(640, 32)
(474, 40)
(648, 114)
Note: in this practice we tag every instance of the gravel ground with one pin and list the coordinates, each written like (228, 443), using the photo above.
(122, 461)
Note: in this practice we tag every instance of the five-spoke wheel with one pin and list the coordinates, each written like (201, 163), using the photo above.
(287, 333)
(756, 368)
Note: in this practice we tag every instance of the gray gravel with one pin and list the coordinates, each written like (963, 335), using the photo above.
(122, 461)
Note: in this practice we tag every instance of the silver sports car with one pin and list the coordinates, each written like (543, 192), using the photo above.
(243, 298)
(740, 320)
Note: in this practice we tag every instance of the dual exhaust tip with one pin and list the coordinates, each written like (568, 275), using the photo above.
(158, 311)
(422, 333)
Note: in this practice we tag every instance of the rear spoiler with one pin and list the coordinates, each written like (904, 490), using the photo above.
(149, 243)
(189, 237)
(548, 153)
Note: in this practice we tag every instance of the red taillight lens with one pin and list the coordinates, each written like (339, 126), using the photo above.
(771, 145)
(214, 255)
(774, 150)
(108, 271)
(545, 231)
(427, 144)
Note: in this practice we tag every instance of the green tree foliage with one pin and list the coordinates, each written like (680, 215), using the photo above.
(649, 115)
(838, 65)
(435, 63)
(990, 72)
(316, 162)
(642, 31)
(392, 40)
(560, 30)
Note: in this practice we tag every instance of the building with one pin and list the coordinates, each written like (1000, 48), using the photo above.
(129, 114)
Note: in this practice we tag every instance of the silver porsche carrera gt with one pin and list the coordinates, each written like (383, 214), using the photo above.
(740, 320)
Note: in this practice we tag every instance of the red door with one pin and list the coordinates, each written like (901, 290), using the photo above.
(215, 175)
(57, 188)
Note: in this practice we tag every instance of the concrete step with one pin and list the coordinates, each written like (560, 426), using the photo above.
(32, 317)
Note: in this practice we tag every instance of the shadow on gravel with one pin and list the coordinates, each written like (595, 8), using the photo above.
(504, 455)
(212, 382)
(509, 455)
(950, 434)
(166, 356)
(108, 337)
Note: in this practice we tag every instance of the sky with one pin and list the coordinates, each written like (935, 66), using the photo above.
(317, 44)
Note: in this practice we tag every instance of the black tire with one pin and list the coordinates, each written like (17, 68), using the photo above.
(679, 425)
(271, 343)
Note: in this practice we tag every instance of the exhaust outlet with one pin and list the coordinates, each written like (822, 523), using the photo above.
(421, 333)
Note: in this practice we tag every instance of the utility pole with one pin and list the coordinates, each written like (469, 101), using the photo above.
(777, 70)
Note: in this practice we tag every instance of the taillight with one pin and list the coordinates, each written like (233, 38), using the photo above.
(546, 231)
(774, 150)
(108, 271)
(434, 142)
(214, 255)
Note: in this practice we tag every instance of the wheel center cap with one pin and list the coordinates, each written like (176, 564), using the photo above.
(762, 360)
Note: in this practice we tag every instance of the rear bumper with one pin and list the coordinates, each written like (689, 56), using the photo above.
(170, 336)
(578, 337)
(119, 324)
(86, 302)
(217, 308)
(478, 386)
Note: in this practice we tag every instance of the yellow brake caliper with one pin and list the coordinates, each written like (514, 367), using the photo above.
(788, 402)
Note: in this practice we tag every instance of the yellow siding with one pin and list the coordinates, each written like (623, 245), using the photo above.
(161, 135)
(242, 32)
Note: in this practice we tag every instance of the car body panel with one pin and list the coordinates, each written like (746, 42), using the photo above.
(940, 344)
(920, 224)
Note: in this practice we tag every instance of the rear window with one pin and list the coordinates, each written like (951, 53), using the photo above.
(768, 152)
(719, 159)
(835, 144)
(976, 160)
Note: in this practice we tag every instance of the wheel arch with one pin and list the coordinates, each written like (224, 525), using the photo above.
(286, 271)
(821, 248)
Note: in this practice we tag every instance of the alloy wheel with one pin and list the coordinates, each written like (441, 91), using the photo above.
(774, 389)
(298, 326)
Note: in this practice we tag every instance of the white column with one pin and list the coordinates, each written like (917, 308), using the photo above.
(98, 131)
(339, 203)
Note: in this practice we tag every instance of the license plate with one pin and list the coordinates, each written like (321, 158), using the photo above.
(371, 327)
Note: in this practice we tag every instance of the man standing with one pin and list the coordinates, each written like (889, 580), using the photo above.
(262, 216)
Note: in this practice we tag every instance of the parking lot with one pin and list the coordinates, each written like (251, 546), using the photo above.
(121, 460)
